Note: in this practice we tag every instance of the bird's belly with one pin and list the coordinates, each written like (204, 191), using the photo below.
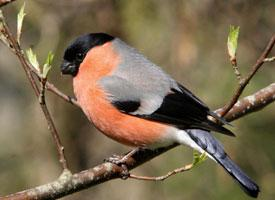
(126, 129)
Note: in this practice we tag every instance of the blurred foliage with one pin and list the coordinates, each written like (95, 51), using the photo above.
(188, 39)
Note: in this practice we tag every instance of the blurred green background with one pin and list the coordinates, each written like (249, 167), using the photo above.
(188, 39)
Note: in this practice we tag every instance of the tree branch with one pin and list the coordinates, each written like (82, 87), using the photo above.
(243, 82)
(68, 183)
(251, 103)
(8, 38)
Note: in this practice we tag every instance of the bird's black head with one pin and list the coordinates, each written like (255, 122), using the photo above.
(76, 52)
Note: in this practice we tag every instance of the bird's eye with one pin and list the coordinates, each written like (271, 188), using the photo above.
(79, 56)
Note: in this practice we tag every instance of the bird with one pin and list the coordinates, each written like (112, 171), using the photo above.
(134, 102)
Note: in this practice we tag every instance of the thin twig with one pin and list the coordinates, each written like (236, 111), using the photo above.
(236, 70)
(271, 59)
(40, 95)
(51, 125)
(246, 80)
(162, 178)
(52, 128)
(14, 46)
(42, 91)
(56, 91)
(50, 87)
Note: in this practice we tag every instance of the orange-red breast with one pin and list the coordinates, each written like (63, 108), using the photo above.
(133, 101)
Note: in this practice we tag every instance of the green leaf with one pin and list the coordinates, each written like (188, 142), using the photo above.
(48, 65)
(20, 18)
(232, 41)
(198, 158)
(33, 59)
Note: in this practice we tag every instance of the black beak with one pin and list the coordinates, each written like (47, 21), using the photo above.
(69, 68)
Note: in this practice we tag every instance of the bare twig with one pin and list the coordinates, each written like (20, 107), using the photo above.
(51, 125)
(15, 47)
(54, 90)
(251, 103)
(237, 71)
(162, 178)
(246, 80)
(50, 87)
(271, 59)
(42, 91)
(18, 52)
(197, 159)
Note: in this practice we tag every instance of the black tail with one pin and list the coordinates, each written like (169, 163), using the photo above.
(248, 185)
(212, 146)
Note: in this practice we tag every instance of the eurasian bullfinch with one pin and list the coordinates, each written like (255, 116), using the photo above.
(133, 101)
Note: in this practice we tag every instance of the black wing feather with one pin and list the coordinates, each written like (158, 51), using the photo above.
(126, 106)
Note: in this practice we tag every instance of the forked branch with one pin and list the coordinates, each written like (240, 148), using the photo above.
(243, 82)
(8, 38)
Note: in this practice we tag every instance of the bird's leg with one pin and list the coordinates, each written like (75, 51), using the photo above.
(121, 161)
(118, 159)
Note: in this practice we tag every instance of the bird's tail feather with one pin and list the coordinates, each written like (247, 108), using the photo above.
(247, 184)
(212, 146)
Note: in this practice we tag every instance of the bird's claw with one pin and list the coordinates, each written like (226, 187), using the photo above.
(120, 161)
(125, 172)
(115, 159)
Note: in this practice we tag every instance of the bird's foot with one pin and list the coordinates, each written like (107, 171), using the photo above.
(121, 161)
(118, 159)
(115, 159)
